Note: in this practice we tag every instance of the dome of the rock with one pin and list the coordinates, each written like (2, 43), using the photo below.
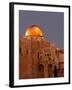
(34, 30)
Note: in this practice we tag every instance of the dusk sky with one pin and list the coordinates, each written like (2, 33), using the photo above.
(52, 24)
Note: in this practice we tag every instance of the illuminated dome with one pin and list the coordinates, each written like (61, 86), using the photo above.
(34, 30)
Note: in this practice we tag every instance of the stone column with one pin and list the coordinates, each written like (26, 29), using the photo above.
(29, 60)
(46, 69)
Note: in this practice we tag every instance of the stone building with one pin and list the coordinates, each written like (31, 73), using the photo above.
(38, 58)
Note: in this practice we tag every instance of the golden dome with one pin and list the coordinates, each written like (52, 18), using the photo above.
(34, 30)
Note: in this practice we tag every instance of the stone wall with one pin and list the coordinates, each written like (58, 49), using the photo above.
(39, 59)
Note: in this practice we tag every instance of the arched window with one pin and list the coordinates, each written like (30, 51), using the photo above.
(27, 52)
(55, 72)
(41, 71)
(20, 50)
(50, 71)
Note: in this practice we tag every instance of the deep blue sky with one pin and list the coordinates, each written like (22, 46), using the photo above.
(52, 24)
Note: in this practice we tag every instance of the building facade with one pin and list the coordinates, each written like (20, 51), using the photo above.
(38, 58)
